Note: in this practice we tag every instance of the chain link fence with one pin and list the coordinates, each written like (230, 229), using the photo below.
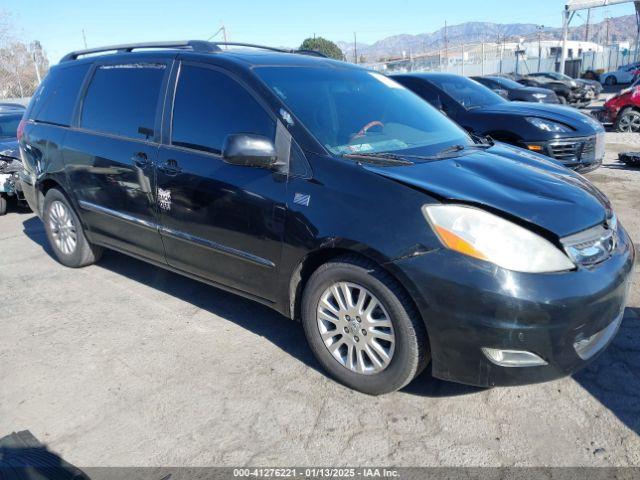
(485, 59)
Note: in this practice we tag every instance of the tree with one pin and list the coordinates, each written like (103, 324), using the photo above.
(22, 64)
(324, 46)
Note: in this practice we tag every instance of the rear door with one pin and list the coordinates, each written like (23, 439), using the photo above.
(219, 221)
(111, 154)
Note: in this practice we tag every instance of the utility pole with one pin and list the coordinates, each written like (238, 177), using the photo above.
(586, 31)
(84, 39)
(540, 27)
(355, 48)
(446, 45)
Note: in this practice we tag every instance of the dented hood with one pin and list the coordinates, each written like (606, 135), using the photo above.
(510, 180)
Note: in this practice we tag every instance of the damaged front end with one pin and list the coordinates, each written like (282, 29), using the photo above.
(10, 168)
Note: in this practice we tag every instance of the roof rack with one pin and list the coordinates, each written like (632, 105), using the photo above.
(195, 45)
(273, 49)
(199, 46)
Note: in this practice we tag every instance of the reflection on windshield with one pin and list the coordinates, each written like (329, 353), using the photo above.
(468, 93)
(351, 110)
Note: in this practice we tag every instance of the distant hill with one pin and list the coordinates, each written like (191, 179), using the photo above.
(620, 29)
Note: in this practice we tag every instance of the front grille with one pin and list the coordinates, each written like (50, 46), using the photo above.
(573, 150)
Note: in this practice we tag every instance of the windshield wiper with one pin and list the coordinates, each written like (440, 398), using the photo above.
(453, 149)
(382, 157)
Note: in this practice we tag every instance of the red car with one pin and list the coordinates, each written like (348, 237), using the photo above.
(623, 110)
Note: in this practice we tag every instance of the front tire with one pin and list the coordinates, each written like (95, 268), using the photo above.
(610, 80)
(628, 120)
(65, 233)
(363, 327)
(3, 204)
(562, 100)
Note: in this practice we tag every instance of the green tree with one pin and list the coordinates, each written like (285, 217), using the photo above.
(324, 46)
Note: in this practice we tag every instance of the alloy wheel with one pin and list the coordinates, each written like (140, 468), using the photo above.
(629, 122)
(356, 328)
(63, 229)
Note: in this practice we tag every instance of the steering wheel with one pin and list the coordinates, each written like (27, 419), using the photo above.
(363, 131)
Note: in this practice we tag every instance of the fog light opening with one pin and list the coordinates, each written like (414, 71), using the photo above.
(512, 358)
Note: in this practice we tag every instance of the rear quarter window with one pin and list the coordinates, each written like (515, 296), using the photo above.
(55, 99)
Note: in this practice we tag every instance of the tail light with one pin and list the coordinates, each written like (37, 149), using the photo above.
(20, 131)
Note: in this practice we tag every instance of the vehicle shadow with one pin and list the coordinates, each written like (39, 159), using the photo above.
(23, 457)
(614, 377)
(259, 319)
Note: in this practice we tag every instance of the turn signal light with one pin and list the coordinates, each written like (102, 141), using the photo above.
(535, 148)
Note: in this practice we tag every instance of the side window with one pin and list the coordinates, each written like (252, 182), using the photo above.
(55, 99)
(209, 105)
(122, 99)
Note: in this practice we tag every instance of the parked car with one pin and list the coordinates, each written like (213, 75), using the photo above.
(593, 87)
(335, 196)
(562, 133)
(7, 107)
(623, 109)
(567, 94)
(624, 74)
(516, 92)
(10, 167)
(10, 163)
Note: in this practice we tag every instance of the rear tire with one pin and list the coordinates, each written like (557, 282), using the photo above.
(3, 204)
(610, 80)
(65, 233)
(404, 355)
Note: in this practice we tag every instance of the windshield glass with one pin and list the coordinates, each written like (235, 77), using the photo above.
(351, 110)
(506, 82)
(9, 125)
(468, 93)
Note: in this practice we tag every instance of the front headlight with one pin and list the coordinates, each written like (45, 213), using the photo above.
(547, 125)
(539, 96)
(482, 235)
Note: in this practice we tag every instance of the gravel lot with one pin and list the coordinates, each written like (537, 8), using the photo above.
(123, 363)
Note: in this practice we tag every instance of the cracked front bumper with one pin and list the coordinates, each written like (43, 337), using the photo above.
(468, 304)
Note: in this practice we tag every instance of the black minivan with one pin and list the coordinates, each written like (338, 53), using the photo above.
(337, 197)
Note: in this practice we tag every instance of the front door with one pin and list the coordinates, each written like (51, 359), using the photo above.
(219, 221)
(111, 156)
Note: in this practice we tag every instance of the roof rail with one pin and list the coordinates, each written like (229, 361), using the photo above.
(199, 46)
(273, 49)
(195, 45)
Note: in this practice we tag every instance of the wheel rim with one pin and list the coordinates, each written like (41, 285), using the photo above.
(62, 227)
(356, 328)
(630, 122)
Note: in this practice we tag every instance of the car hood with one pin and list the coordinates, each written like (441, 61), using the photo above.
(567, 115)
(524, 186)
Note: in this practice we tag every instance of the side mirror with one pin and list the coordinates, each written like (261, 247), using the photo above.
(248, 150)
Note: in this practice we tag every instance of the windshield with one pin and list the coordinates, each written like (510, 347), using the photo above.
(506, 82)
(468, 93)
(9, 125)
(352, 110)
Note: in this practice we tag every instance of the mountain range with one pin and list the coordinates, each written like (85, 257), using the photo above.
(618, 29)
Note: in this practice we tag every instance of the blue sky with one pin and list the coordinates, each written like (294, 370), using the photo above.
(58, 24)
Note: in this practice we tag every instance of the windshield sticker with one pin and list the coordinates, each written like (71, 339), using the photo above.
(386, 80)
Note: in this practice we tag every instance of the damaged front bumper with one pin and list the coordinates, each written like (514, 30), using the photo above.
(473, 310)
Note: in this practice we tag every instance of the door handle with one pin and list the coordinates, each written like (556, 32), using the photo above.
(170, 167)
(140, 159)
